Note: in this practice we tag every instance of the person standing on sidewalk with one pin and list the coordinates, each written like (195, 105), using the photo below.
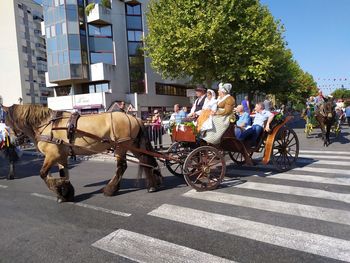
(246, 104)
(347, 113)
(157, 130)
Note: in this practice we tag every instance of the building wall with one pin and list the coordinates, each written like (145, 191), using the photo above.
(116, 73)
(10, 80)
(23, 54)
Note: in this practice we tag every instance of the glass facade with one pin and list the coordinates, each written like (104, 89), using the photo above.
(101, 44)
(171, 89)
(136, 56)
(66, 39)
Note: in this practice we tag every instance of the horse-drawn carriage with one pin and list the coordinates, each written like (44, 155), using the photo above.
(203, 166)
(61, 134)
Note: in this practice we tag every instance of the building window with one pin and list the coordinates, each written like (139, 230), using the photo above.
(135, 45)
(101, 44)
(99, 87)
(171, 89)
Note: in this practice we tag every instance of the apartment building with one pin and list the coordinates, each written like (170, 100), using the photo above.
(95, 58)
(22, 53)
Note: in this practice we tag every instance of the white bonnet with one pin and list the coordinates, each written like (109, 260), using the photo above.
(212, 93)
(225, 87)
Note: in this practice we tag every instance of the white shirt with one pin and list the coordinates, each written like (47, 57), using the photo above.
(210, 104)
(4, 130)
(197, 101)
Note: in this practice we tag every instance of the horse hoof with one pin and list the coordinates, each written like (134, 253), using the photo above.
(152, 189)
(107, 191)
(10, 177)
(59, 200)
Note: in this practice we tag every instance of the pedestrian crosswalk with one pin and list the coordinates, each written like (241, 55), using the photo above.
(316, 196)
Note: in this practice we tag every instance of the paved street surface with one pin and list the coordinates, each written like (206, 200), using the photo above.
(258, 215)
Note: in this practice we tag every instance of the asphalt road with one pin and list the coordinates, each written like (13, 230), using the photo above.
(258, 215)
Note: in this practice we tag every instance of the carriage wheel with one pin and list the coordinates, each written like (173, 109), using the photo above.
(285, 149)
(237, 157)
(204, 168)
(180, 151)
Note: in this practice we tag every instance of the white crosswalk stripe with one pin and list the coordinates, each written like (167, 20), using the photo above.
(325, 162)
(279, 236)
(294, 190)
(308, 211)
(323, 152)
(339, 180)
(329, 157)
(141, 248)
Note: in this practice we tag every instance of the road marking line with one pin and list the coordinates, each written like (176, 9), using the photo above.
(322, 170)
(293, 190)
(307, 211)
(296, 177)
(3, 186)
(97, 208)
(336, 157)
(280, 236)
(325, 162)
(311, 179)
(323, 152)
(142, 248)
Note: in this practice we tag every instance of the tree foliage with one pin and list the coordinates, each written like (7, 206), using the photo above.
(222, 40)
(341, 93)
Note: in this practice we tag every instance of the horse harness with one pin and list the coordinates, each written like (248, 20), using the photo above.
(72, 130)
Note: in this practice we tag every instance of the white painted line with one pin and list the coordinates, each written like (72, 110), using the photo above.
(296, 177)
(311, 179)
(141, 248)
(96, 208)
(280, 236)
(293, 190)
(3, 186)
(322, 170)
(324, 162)
(308, 211)
(324, 152)
(334, 157)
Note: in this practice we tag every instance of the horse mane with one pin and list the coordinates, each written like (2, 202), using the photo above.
(30, 115)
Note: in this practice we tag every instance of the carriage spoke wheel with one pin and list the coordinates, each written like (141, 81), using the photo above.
(285, 149)
(237, 157)
(180, 151)
(204, 168)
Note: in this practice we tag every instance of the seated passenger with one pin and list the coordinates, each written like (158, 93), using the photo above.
(221, 119)
(204, 121)
(199, 102)
(243, 121)
(257, 128)
(178, 116)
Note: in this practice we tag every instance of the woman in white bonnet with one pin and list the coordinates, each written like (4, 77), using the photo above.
(221, 119)
(209, 108)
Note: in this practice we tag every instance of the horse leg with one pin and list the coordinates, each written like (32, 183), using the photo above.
(328, 141)
(114, 184)
(11, 174)
(58, 185)
(65, 189)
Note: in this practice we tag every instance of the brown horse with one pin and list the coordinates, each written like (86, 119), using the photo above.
(325, 115)
(93, 134)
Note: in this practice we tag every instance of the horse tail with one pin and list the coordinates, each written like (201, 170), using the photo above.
(154, 176)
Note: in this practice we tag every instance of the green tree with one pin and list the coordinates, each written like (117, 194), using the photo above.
(214, 40)
(341, 93)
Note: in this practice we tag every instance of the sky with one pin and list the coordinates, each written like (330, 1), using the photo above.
(318, 33)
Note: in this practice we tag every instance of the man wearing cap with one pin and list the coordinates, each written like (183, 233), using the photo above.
(199, 102)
